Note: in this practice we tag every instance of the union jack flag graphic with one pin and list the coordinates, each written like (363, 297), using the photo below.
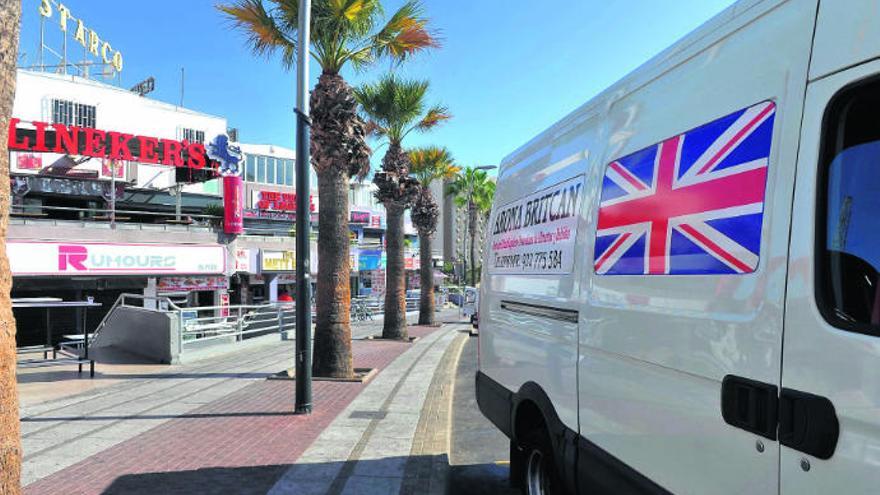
(690, 205)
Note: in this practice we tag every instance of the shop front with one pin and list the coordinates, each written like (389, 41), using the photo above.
(77, 270)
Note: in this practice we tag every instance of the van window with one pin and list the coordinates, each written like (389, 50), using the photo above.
(848, 271)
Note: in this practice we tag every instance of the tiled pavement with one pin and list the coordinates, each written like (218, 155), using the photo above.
(220, 428)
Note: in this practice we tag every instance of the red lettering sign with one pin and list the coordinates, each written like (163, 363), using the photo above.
(73, 140)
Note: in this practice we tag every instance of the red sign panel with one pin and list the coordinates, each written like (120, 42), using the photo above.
(279, 201)
(85, 141)
(29, 162)
(233, 204)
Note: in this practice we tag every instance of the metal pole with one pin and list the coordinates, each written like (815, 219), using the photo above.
(303, 218)
(42, 42)
(112, 194)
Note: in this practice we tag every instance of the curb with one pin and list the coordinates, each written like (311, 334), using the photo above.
(427, 469)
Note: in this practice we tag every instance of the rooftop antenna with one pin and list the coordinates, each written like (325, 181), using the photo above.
(182, 76)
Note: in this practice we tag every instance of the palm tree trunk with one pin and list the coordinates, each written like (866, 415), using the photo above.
(395, 276)
(333, 296)
(426, 276)
(10, 441)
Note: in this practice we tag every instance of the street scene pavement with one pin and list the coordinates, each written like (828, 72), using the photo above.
(219, 426)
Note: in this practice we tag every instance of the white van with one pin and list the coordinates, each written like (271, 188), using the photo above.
(681, 292)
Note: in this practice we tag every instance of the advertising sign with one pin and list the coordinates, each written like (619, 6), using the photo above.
(362, 217)
(233, 204)
(278, 261)
(174, 284)
(536, 234)
(241, 260)
(28, 161)
(113, 168)
(42, 137)
(40, 258)
(277, 201)
(369, 260)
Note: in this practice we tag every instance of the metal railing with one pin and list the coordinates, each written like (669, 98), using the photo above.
(201, 327)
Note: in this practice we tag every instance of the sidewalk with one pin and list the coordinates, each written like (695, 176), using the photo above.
(219, 427)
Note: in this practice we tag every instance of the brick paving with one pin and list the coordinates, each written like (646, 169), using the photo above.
(239, 443)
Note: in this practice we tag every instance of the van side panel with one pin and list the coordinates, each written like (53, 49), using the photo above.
(654, 349)
(522, 339)
(847, 33)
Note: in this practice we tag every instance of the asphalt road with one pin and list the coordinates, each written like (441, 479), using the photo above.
(480, 454)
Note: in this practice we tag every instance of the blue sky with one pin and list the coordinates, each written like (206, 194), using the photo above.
(507, 70)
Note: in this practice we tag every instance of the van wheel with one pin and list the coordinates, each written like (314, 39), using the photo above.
(539, 473)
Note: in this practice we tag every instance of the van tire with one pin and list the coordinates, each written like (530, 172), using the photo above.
(539, 471)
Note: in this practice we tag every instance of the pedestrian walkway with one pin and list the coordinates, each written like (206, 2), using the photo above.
(221, 427)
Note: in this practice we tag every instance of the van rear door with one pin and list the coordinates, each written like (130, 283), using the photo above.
(829, 426)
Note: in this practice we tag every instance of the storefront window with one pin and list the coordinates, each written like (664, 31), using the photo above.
(261, 169)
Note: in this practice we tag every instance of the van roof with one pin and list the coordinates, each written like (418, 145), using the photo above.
(716, 28)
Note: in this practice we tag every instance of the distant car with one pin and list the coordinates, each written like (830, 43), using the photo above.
(471, 303)
(455, 296)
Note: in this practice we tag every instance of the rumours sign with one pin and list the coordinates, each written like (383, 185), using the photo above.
(88, 38)
(42, 137)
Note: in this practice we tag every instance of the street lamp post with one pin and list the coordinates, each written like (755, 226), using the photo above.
(303, 219)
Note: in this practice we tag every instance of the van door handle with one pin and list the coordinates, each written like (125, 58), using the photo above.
(808, 423)
(749, 405)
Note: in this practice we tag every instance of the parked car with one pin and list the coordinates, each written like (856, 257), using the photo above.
(682, 291)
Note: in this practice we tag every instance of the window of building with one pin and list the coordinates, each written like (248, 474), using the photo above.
(194, 136)
(250, 169)
(280, 172)
(848, 249)
(261, 169)
(270, 170)
(69, 113)
(288, 177)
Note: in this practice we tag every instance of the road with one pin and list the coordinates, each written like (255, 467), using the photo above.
(479, 456)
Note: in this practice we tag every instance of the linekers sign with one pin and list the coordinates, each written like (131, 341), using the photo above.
(85, 141)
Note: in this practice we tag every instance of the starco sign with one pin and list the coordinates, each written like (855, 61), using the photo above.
(88, 38)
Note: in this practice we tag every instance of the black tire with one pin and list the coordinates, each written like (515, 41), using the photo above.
(540, 473)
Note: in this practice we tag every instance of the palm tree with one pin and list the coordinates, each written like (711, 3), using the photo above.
(10, 439)
(473, 188)
(428, 164)
(396, 108)
(343, 34)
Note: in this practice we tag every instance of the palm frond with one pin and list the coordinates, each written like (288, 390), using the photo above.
(432, 163)
(405, 34)
(264, 32)
(394, 104)
(435, 116)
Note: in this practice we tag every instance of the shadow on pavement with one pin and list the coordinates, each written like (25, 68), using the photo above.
(50, 419)
(239, 480)
(479, 479)
(414, 475)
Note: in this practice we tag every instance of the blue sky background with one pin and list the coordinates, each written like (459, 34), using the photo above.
(507, 70)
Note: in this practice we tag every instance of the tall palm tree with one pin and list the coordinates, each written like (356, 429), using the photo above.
(395, 108)
(473, 189)
(343, 34)
(10, 440)
(428, 164)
